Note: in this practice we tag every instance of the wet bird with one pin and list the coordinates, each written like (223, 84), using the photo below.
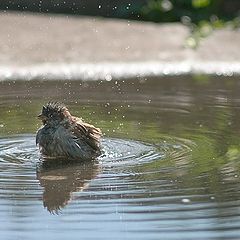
(65, 136)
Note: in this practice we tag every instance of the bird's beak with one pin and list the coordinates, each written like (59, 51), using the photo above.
(41, 117)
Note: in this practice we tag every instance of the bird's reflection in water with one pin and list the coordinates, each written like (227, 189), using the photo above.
(61, 178)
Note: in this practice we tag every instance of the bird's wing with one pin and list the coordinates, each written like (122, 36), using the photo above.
(66, 144)
(87, 132)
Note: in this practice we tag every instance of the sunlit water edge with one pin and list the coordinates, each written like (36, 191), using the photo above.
(119, 70)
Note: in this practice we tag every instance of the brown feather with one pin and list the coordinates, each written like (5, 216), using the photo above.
(87, 132)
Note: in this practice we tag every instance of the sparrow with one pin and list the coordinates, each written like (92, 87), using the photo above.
(65, 136)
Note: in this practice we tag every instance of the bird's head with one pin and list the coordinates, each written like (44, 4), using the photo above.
(53, 112)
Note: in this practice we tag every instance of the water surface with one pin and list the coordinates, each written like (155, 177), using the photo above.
(170, 167)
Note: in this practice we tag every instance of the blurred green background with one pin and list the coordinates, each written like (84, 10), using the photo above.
(151, 10)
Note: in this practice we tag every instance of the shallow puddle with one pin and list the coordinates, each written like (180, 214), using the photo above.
(170, 167)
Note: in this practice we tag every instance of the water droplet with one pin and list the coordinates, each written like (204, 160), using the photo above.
(186, 200)
(108, 77)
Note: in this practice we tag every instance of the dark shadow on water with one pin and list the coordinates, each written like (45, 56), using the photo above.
(60, 178)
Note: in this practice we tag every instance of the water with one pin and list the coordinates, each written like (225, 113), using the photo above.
(170, 168)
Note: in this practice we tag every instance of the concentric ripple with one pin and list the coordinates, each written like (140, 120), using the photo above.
(22, 150)
(134, 189)
(19, 163)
